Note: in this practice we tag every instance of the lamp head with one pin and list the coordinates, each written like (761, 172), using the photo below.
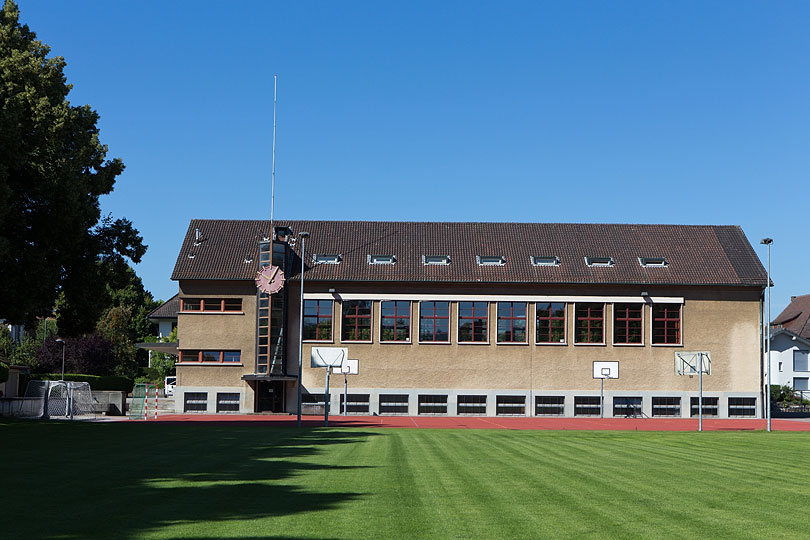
(303, 234)
(766, 241)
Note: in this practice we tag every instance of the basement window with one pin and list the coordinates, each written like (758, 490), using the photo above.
(428, 260)
(654, 262)
(382, 259)
(599, 261)
(490, 260)
(545, 261)
(327, 258)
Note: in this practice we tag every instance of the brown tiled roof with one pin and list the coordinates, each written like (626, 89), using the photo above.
(698, 255)
(795, 317)
(169, 308)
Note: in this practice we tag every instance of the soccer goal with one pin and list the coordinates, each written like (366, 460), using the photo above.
(57, 399)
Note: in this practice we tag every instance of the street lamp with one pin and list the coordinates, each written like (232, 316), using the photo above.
(768, 242)
(304, 236)
(62, 341)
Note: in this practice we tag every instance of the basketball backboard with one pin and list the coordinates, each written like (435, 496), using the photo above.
(328, 356)
(689, 363)
(349, 367)
(605, 370)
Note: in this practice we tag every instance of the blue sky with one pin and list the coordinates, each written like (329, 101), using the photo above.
(605, 112)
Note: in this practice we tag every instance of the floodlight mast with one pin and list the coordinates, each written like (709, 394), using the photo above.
(768, 242)
(304, 235)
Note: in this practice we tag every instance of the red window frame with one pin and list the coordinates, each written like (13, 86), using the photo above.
(666, 324)
(432, 319)
(318, 316)
(509, 322)
(548, 321)
(622, 317)
(400, 312)
(584, 314)
(473, 318)
(356, 318)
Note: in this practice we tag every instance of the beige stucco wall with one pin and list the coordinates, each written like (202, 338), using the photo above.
(724, 322)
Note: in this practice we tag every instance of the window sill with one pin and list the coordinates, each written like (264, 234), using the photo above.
(434, 342)
(667, 345)
(628, 344)
(395, 342)
(589, 344)
(512, 343)
(318, 341)
(473, 342)
(554, 343)
(364, 342)
(235, 364)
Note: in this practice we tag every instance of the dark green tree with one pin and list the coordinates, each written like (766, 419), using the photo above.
(53, 169)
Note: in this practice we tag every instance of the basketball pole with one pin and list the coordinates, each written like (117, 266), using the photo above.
(700, 392)
(768, 242)
(304, 236)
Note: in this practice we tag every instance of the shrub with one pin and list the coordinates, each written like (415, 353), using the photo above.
(3, 372)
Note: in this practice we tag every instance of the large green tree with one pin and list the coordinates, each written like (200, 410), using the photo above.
(53, 169)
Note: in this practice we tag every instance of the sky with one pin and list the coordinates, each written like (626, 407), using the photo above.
(684, 112)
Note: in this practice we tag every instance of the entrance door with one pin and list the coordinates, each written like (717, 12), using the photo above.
(270, 396)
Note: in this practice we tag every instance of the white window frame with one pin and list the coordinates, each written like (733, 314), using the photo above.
(436, 260)
(410, 323)
(541, 260)
(449, 323)
(653, 262)
(807, 361)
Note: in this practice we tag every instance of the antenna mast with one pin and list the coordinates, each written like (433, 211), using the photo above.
(273, 173)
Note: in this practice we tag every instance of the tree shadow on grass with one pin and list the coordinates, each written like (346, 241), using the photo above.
(127, 480)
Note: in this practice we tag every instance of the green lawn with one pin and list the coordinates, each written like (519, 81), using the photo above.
(160, 480)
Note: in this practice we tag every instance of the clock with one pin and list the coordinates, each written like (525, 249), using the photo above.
(270, 279)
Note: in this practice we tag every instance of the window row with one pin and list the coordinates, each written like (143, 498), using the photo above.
(488, 260)
(211, 304)
(221, 357)
(512, 322)
(198, 402)
(515, 405)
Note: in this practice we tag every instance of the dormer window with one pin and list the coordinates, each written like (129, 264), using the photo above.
(382, 259)
(538, 260)
(599, 261)
(655, 262)
(490, 260)
(435, 259)
(326, 258)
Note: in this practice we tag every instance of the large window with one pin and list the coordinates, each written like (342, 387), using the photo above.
(472, 322)
(801, 360)
(666, 324)
(590, 323)
(512, 322)
(550, 323)
(227, 357)
(317, 320)
(627, 324)
(395, 320)
(356, 324)
(434, 322)
(211, 304)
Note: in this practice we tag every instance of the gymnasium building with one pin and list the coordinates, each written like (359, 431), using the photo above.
(469, 318)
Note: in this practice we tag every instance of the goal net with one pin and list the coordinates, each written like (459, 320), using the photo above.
(57, 399)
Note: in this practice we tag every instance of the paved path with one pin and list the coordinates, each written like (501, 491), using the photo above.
(497, 422)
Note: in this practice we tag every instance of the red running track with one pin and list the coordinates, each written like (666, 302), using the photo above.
(499, 422)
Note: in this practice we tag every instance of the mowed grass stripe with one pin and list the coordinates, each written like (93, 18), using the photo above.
(140, 480)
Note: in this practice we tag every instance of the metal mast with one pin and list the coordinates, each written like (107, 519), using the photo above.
(273, 173)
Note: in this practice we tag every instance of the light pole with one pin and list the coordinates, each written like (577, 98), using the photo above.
(62, 341)
(304, 236)
(768, 242)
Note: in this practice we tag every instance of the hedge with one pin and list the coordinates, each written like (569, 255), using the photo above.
(97, 382)
(3, 372)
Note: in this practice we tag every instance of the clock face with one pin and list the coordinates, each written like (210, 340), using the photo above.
(270, 279)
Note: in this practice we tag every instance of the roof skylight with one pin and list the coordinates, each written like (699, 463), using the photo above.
(382, 259)
(490, 260)
(538, 260)
(326, 258)
(599, 261)
(435, 259)
(653, 261)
